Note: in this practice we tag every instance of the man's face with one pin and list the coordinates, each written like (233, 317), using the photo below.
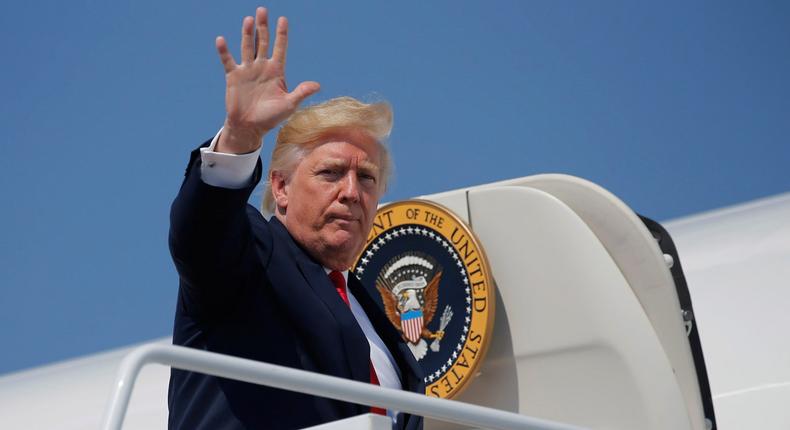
(330, 198)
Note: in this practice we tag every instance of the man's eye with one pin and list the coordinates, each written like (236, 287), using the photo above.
(367, 178)
(328, 172)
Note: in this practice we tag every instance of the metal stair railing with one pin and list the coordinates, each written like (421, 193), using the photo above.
(302, 381)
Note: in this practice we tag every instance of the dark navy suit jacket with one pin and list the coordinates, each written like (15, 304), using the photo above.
(247, 289)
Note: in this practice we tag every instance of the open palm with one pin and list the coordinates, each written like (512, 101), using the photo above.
(256, 95)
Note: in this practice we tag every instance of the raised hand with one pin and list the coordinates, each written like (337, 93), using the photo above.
(256, 96)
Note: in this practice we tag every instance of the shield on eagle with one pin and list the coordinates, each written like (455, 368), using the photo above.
(409, 288)
(411, 324)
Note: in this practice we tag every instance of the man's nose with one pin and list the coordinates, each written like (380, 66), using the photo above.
(350, 188)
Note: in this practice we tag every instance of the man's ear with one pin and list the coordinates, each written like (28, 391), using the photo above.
(279, 191)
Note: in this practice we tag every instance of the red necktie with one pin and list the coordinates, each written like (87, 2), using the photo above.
(340, 285)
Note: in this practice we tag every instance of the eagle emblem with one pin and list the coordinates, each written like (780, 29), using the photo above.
(409, 288)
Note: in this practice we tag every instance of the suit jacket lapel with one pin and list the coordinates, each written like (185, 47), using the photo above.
(411, 372)
(356, 350)
(412, 377)
(355, 344)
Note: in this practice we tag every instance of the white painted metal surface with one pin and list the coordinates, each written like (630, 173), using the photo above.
(72, 395)
(643, 265)
(634, 252)
(302, 381)
(737, 265)
(582, 348)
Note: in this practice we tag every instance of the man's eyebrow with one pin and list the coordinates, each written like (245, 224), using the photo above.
(332, 162)
(364, 165)
(367, 165)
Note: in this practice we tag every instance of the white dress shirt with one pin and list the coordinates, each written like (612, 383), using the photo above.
(235, 171)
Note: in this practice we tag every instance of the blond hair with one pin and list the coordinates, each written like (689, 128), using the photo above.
(303, 131)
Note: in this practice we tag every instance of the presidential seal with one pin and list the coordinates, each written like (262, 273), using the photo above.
(430, 276)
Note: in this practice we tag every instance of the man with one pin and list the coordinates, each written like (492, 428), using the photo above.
(275, 290)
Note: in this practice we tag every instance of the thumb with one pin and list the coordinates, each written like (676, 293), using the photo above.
(303, 91)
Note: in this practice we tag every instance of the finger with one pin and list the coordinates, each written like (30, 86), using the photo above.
(281, 41)
(224, 55)
(247, 51)
(303, 91)
(262, 21)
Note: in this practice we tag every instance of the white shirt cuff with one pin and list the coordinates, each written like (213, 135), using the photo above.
(227, 170)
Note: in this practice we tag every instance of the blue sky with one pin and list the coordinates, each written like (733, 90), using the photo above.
(676, 107)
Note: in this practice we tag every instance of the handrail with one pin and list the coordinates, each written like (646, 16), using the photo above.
(302, 381)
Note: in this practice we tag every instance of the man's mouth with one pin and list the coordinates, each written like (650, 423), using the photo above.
(343, 217)
(343, 220)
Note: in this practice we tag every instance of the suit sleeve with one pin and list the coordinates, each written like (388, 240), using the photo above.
(211, 238)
